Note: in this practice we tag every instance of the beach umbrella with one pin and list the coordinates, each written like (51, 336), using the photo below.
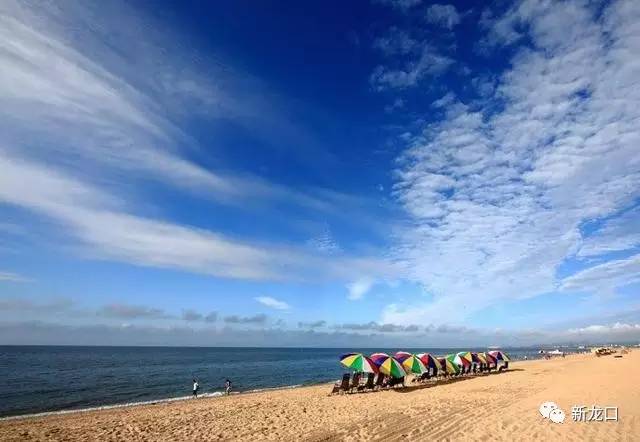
(466, 355)
(375, 357)
(479, 358)
(429, 361)
(358, 362)
(411, 363)
(390, 366)
(459, 360)
(402, 355)
(500, 356)
(491, 360)
(447, 366)
(379, 358)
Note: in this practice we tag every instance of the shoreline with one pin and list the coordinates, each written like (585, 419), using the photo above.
(212, 395)
(500, 404)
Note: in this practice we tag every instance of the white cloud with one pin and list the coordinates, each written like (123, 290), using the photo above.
(12, 277)
(92, 89)
(617, 234)
(325, 242)
(445, 16)
(105, 227)
(402, 5)
(273, 303)
(606, 276)
(444, 101)
(497, 197)
(359, 288)
(80, 113)
(396, 42)
(429, 62)
(616, 328)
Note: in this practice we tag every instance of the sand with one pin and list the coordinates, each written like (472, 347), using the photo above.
(493, 407)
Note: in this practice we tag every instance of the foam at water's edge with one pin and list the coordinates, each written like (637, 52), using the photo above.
(133, 404)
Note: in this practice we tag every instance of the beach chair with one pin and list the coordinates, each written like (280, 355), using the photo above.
(343, 385)
(369, 384)
(379, 381)
(355, 382)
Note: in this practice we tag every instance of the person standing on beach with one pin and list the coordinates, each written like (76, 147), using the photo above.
(227, 386)
(196, 387)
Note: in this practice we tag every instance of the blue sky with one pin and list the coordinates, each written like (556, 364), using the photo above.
(319, 173)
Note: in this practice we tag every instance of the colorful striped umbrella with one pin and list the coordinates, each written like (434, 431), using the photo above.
(479, 358)
(459, 360)
(447, 366)
(467, 356)
(500, 356)
(411, 363)
(429, 361)
(358, 362)
(378, 357)
(390, 366)
(491, 360)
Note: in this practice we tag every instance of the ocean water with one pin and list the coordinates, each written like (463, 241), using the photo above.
(36, 379)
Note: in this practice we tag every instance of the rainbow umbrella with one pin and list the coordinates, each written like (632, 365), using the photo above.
(429, 361)
(479, 358)
(411, 363)
(447, 366)
(378, 358)
(466, 359)
(390, 366)
(467, 356)
(500, 356)
(358, 362)
(459, 360)
(402, 355)
(491, 360)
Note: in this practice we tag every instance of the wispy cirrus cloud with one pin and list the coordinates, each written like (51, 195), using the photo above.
(617, 234)
(605, 277)
(360, 287)
(255, 320)
(429, 62)
(12, 277)
(498, 196)
(85, 124)
(127, 311)
(273, 303)
(401, 5)
(445, 16)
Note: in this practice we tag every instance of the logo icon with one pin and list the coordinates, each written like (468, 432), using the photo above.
(556, 416)
(551, 411)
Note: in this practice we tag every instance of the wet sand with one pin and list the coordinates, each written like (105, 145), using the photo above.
(493, 407)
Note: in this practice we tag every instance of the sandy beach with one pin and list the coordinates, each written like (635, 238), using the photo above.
(498, 406)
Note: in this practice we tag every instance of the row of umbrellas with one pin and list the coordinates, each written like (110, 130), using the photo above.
(403, 363)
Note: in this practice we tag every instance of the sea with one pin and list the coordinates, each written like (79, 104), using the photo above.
(38, 379)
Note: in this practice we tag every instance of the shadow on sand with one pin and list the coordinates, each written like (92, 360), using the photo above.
(450, 380)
